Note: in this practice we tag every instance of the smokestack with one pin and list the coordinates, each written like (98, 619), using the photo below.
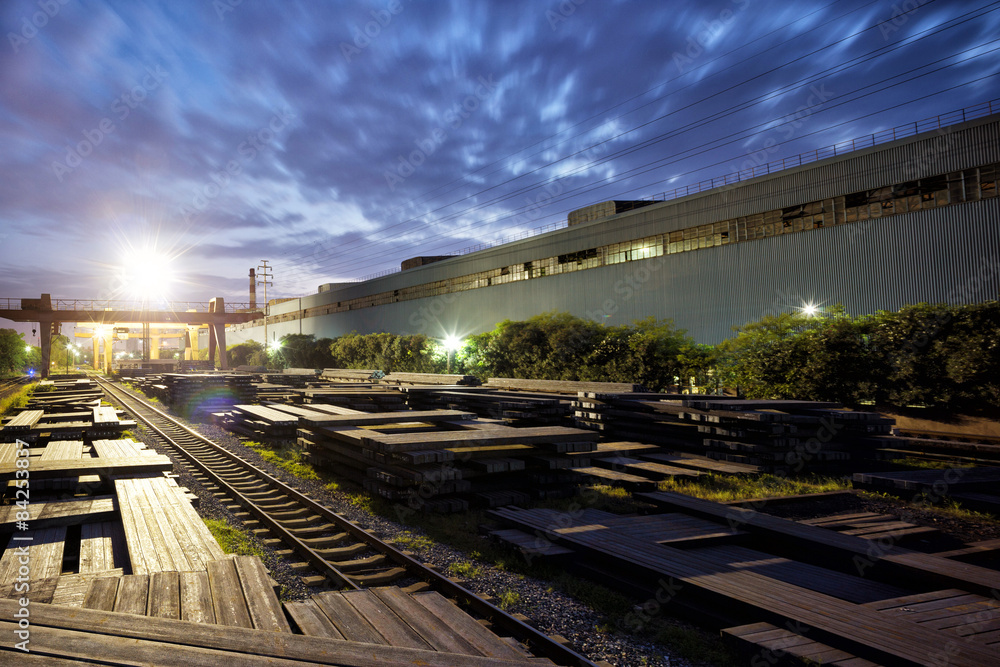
(253, 290)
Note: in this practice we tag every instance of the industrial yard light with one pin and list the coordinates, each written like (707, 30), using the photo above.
(810, 310)
(451, 344)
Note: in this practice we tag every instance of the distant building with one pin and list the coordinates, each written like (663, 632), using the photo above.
(910, 220)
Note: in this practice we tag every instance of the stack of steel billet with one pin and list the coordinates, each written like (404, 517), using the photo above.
(513, 407)
(770, 435)
(445, 460)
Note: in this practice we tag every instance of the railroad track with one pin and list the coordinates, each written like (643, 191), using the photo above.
(333, 548)
(11, 385)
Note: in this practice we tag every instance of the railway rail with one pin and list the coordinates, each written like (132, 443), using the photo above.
(336, 549)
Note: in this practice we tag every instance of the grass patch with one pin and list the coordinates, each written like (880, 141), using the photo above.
(464, 570)
(605, 497)
(726, 488)
(924, 464)
(412, 541)
(234, 540)
(288, 458)
(16, 400)
(508, 599)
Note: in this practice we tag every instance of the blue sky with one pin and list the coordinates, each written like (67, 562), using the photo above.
(336, 139)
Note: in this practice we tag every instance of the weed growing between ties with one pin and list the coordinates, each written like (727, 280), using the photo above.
(726, 488)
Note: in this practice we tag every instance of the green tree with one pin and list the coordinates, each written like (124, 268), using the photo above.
(241, 353)
(12, 351)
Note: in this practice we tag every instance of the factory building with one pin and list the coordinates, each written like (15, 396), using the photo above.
(906, 220)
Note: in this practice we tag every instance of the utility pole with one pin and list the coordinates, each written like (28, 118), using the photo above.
(264, 271)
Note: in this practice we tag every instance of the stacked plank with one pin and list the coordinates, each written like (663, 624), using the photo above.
(445, 460)
(260, 422)
(789, 436)
(363, 397)
(43, 422)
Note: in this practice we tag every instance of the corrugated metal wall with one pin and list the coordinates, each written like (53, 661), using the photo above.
(949, 254)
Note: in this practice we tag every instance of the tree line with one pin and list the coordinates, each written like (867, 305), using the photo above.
(934, 355)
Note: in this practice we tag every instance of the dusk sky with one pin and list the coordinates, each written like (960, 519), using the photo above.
(190, 139)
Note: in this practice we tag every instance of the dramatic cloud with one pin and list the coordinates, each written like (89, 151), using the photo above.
(337, 139)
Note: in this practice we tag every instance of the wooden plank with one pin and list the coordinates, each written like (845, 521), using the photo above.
(101, 594)
(124, 466)
(311, 620)
(196, 597)
(265, 609)
(347, 619)
(164, 595)
(427, 624)
(97, 552)
(85, 633)
(133, 594)
(45, 551)
(71, 589)
(438, 635)
(228, 603)
(61, 450)
(67, 512)
(484, 641)
(395, 631)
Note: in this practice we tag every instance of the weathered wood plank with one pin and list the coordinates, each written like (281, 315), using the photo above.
(133, 594)
(68, 512)
(228, 603)
(82, 633)
(164, 595)
(265, 609)
(105, 467)
(347, 619)
(440, 636)
(385, 620)
(311, 620)
(196, 597)
(101, 594)
(485, 642)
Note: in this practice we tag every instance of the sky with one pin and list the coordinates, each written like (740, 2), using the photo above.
(164, 149)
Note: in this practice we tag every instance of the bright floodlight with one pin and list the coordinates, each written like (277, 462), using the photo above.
(146, 275)
(274, 345)
(27, 348)
(809, 310)
(452, 343)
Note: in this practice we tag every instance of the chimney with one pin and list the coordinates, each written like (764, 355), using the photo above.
(253, 290)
